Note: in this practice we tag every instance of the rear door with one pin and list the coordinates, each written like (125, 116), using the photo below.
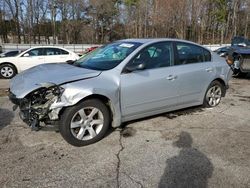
(195, 71)
(56, 55)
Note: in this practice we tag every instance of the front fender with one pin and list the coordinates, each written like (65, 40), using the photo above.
(74, 93)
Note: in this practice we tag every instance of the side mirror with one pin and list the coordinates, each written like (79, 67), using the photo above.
(26, 55)
(131, 68)
(141, 66)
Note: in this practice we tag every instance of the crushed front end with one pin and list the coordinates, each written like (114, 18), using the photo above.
(35, 107)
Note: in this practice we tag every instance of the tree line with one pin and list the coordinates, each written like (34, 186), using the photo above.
(102, 21)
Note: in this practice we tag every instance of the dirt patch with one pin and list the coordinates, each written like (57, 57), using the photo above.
(6, 117)
(3, 92)
(243, 98)
(128, 132)
(187, 111)
(169, 135)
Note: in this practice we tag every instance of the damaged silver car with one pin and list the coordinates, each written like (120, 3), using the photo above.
(119, 82)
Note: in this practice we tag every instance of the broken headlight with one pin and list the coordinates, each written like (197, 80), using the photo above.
(35, 107)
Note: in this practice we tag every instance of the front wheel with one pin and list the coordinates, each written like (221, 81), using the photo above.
(85, 123)
(213, 94)
(7, 71)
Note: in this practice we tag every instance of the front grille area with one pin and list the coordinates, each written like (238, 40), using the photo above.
(13, 98)
(246, 63)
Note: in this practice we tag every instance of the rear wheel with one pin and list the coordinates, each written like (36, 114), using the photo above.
(7, 71)
(213, 95)
(85, 123)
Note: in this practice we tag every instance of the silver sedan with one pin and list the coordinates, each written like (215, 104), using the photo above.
(119, 82)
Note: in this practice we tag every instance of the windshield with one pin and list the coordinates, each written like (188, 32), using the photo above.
(107, 57)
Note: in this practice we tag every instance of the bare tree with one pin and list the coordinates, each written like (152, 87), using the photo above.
(95, 21)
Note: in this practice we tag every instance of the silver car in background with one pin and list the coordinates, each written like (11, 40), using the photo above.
(119, 82)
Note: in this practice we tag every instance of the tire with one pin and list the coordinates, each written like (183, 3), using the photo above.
(85, 123)
(213, 94)
(7, 71)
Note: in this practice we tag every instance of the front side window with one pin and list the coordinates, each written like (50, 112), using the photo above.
(154, 56)
(189, 53)
(107, 57)
(36, 52)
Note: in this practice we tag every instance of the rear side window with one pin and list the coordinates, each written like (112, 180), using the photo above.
(63, 52)
(53, 51)
(189, 53)
(56, 51)
(207, 55)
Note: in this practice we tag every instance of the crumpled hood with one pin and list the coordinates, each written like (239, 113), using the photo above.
(57, 73)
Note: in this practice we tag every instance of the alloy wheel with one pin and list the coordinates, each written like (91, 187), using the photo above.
(213, 96)
(87, 123)
(7, 71)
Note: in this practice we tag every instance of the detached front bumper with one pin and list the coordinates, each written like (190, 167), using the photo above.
(27, 114)
(35, 107)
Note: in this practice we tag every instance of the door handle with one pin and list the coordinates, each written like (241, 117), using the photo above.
(171, 77)
(209, 69)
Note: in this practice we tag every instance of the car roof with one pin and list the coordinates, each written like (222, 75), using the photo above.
(47, 47)
(56, 47)
(149, 40)
(152, 40)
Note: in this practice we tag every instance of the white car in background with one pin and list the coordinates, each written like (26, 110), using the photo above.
(10, 66)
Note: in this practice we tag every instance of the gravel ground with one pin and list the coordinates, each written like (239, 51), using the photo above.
(195, 147)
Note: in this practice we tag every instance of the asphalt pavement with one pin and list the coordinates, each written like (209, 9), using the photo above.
(4, 83)
(195, 147)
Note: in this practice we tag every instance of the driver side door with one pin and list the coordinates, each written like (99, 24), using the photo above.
(153, 88)
(31, 58)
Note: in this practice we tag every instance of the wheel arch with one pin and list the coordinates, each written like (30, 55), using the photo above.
(9, 63)
(115, 114)
(102, 98)
(222, 82)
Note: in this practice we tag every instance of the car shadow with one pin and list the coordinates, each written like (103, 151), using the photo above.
(6, 117)
(246, 77)
(169, 115)
(185, 111)
(127, 131)
(191, 168)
